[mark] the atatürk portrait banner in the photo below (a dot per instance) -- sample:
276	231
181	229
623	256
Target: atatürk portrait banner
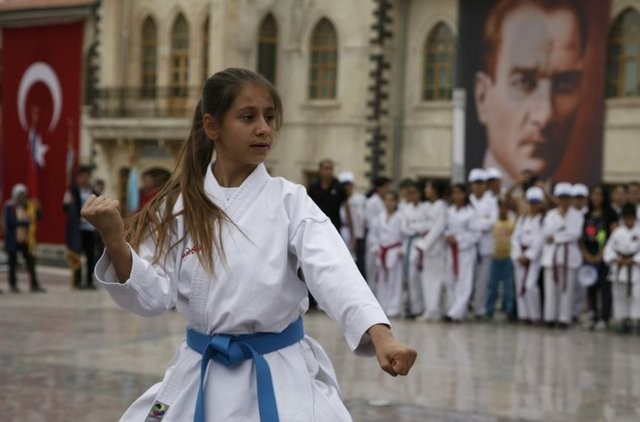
534	74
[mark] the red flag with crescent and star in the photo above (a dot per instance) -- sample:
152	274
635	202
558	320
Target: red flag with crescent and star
41	101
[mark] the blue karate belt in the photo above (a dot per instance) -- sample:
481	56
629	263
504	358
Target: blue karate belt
231	351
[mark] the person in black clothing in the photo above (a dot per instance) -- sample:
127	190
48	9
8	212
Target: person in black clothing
618	198
328	193
81	236
597	227
19	215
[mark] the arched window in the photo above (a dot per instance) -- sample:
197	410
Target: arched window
205	49
267	48
148	57
623	67
324	61
439	62
179	64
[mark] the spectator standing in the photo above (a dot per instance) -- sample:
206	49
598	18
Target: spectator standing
597	227
328	193
81	235
20	214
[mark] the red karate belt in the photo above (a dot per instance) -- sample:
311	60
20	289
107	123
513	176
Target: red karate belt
454	255
523	290
565	267
382	253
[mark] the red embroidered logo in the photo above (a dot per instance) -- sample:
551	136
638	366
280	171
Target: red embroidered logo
190	251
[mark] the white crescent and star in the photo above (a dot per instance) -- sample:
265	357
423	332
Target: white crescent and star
39	72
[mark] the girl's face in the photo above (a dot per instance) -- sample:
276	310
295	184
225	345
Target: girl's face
458	196
413	195
596	196
430	192
535	207
246	134
563	201
390	202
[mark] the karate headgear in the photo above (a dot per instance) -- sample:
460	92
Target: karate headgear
477	175
579	190
534	194
493	173
346	177
562	189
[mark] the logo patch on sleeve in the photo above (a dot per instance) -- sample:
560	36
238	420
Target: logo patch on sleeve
157	412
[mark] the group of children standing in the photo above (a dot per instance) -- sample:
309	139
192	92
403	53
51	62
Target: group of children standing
435	251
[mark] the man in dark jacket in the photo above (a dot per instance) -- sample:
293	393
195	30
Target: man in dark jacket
81	236
328	193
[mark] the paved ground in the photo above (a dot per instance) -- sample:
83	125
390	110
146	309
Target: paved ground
75	356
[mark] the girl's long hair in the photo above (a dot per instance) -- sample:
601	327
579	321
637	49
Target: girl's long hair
203	218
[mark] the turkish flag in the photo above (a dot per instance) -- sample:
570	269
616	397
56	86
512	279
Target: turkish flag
42	68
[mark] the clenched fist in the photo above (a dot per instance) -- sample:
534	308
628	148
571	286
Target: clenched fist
104	214
394	357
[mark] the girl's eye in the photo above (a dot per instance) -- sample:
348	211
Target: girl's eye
246	117
269	117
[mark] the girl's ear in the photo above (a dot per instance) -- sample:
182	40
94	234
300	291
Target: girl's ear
210	126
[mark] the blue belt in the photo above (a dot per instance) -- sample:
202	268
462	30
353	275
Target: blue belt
231	351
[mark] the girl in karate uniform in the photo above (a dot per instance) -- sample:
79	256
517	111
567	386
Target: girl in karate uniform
462	240
414	226
224	242
526	250
373	206
561	256
622	253
433	246
388	245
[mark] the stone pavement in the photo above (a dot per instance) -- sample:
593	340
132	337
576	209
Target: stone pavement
75	356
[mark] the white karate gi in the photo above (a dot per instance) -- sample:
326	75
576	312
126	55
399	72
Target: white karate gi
527	240
357	204
624	242
579	291
434	268
460	224
356	207
277	230
414	226
486	209
387	241
373	206
565	232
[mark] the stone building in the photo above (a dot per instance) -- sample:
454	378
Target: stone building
149	58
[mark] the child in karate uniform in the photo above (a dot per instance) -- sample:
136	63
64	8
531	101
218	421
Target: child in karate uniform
561	256
434	249
461	238
224	243
485	205
414	226
622	253
373	206
387	239
526	249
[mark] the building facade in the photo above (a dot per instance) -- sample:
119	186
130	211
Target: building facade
146	61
